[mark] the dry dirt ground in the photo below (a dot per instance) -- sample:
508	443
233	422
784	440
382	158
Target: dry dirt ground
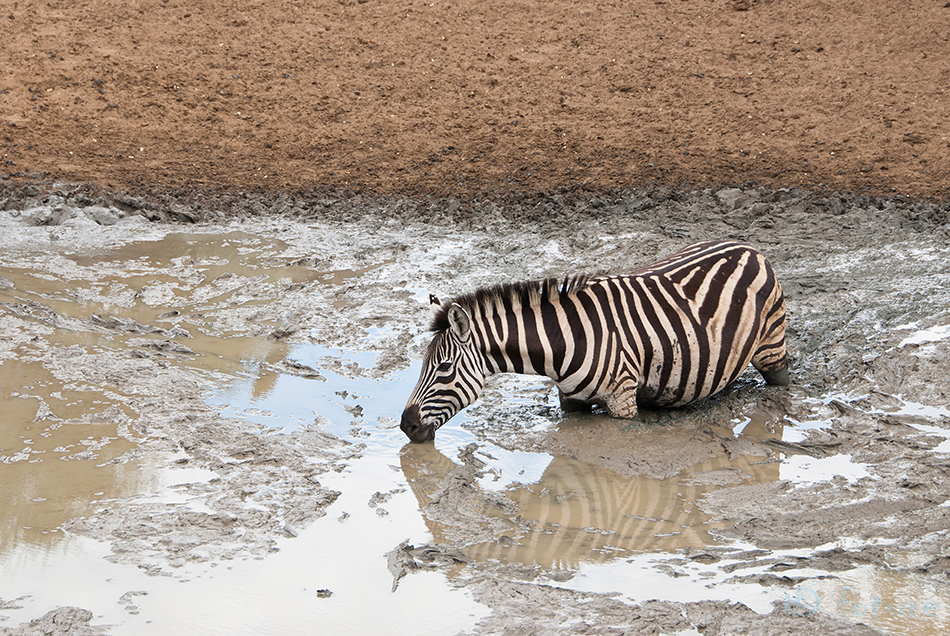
470	97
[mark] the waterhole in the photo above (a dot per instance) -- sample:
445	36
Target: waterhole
225	314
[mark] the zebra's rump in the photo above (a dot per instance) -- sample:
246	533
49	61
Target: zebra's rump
688	325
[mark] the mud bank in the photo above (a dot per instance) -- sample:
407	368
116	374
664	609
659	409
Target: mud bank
127	343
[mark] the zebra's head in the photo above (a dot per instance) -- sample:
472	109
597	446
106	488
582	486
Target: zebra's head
452	375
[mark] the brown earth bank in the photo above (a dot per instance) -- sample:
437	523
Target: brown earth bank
457	99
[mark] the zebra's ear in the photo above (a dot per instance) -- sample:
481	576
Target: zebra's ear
459	323
434	304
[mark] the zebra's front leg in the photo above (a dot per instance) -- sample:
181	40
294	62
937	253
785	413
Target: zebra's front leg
622	401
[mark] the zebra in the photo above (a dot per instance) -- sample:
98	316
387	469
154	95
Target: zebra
669	334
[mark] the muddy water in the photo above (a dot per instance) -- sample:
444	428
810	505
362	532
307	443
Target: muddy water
67	449
62	441
154	380
581	513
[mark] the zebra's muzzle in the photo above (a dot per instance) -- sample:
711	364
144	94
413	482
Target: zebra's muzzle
413	427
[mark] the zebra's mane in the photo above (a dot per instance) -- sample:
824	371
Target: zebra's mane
509	295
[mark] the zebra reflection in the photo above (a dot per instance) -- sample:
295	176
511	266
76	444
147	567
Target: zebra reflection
580	513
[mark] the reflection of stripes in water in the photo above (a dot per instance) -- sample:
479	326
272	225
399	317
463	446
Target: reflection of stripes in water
585	513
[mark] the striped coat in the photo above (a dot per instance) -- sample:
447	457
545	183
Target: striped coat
671	333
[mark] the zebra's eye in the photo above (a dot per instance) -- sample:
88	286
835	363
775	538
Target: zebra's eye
445	366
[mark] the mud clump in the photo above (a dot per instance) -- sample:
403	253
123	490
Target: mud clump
62	621
568	612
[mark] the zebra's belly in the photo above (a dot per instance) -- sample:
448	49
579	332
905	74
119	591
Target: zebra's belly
660	397
683	387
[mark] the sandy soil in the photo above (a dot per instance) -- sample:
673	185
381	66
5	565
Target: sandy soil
472	97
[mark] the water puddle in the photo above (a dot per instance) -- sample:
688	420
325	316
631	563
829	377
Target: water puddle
57	446
288	401
926	336
195	301
896	602
60	440
802	470
666	577
190	300
580	513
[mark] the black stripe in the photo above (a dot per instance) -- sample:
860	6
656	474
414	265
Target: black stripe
627	322
676	346
534	332
589	307
603	375
485	340
647	316
664	345
728	361
495	346
580	348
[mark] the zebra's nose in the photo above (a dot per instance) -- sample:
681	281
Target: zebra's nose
412	426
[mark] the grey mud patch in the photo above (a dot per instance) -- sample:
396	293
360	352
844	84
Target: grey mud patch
62	621
56	325
815	494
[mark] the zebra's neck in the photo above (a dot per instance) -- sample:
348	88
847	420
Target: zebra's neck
513	338
527	327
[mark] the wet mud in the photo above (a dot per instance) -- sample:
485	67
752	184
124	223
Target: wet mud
215	403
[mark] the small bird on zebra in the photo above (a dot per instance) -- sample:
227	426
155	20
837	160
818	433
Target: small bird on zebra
666	335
